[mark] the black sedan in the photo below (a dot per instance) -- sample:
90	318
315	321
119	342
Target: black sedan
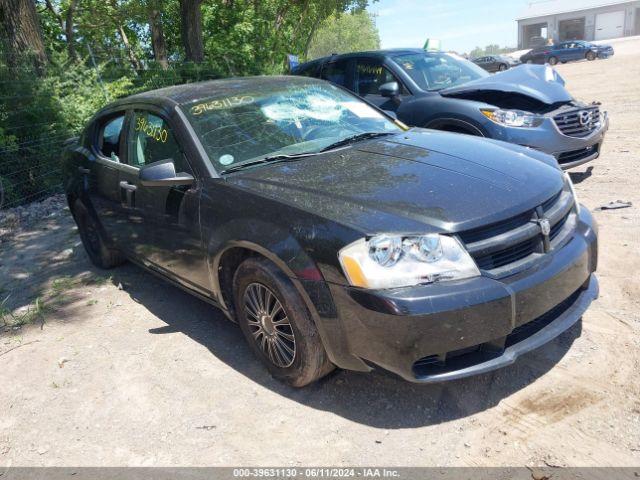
495	63
332	234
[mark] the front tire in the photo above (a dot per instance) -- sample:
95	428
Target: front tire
277	324
100	254
591	56
553	61
502	67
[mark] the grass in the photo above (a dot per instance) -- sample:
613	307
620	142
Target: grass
33	313
47	302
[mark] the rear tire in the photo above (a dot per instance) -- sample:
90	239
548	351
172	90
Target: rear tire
277	325
503	67
553	61
100	254
590	56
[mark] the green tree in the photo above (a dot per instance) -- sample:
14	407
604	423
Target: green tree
350	32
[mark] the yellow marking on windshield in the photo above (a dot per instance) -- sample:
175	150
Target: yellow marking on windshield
221	103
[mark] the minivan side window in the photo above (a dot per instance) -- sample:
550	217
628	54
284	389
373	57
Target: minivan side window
109	138
335	72
152	140
370	75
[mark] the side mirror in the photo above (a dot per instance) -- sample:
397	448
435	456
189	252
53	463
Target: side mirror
163	174
389	90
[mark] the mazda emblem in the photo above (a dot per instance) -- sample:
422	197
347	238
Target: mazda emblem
585	117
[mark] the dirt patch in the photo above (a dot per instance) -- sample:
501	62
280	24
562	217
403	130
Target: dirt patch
127	370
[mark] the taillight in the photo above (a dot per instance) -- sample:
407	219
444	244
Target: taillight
546	51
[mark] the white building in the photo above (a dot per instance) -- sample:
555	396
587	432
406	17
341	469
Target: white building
561	20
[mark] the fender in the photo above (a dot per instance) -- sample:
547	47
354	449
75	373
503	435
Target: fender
463	123
269	240
286	252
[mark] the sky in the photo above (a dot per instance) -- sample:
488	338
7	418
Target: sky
460	25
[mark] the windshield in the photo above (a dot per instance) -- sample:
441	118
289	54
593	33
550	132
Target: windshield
280	120
435	71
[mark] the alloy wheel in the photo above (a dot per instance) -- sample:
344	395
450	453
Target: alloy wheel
269	325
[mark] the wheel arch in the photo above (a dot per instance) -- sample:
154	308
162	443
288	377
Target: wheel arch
457	125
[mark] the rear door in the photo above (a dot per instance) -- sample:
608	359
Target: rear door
162	221
101	176
339	72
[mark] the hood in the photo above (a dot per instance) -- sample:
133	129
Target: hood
539	82
417	181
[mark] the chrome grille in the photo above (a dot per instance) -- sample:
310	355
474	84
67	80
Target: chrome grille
579	122
502	247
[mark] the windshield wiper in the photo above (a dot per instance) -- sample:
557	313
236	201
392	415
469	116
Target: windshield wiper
355	138
269	159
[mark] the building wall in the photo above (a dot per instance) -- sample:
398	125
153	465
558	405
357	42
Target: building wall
590	21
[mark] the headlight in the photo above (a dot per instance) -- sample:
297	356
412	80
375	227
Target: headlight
512	118
387	261
568	181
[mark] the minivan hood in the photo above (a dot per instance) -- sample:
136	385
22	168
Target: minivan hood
416	181
540	82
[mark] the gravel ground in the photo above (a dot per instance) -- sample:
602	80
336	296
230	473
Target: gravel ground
126	370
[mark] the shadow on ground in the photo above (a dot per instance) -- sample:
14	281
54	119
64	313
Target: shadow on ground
376	399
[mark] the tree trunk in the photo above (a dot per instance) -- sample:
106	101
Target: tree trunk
191	20
157	37
135	63
68	31
23	33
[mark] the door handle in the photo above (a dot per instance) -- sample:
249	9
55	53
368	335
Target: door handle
127	186
84	171
130	193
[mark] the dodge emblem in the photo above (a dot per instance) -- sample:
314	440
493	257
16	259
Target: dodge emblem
545	226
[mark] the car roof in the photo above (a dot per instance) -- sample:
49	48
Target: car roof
368	53
211	89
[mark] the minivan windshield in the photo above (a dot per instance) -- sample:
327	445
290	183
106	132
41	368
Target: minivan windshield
435	71
282	120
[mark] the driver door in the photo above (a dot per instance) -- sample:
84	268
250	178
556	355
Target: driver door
162	221
370	75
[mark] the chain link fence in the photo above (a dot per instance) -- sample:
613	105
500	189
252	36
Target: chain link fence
39	110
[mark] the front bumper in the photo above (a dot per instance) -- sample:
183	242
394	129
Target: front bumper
432	333
569	151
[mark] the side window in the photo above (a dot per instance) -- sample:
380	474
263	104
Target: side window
152	140
335	72
109	138
370	74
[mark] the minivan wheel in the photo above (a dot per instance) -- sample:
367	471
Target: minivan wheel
553	61
591	56
277	325
100	254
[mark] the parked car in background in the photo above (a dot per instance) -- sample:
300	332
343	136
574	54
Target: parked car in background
495	63
567	52
333	235
527	105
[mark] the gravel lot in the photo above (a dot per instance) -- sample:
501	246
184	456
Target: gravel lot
126	370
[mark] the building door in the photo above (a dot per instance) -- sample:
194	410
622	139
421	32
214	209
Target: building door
571	29
610	25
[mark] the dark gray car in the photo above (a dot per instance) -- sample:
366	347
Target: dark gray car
527	105
495	63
